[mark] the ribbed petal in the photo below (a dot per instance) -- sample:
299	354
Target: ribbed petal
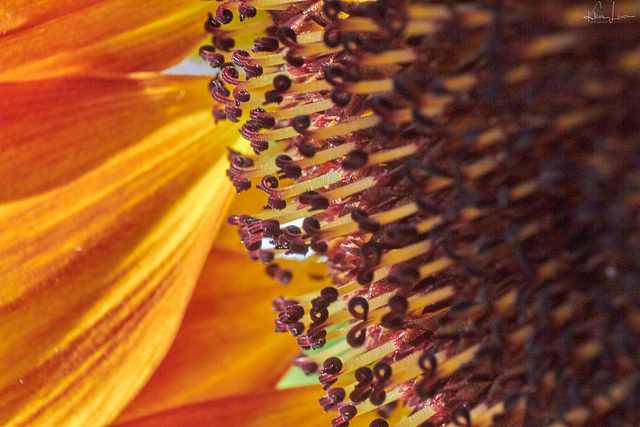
97	269
57	37
226	345
277	408
55	130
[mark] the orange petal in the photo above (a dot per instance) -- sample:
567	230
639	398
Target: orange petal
226	344
55	130
96	272
281	408
57	37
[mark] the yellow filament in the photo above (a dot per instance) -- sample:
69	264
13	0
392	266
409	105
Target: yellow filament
328	178
398	56
428	224
310	108
370	86
406	253
369	357
434	267
452	364
350	189
392	154
344	128
417	418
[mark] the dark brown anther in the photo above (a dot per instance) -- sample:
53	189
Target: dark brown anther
275	202
223	15
297	246
245	10
310	225
272	269
371	253
318	315
357	335
292	231
230	74
355	160
305	198
224	44
382	371
233	113
378	396
241	95
405	276
239	57
272	96
369	226
217	59
333	397
294	60
291	171
319	202
211	25
379	422
331	9
253	70
332	36
307	150
334	75
217	87
365	277
301	123
303	362
287	36
281	83
241	184
259	145
332	366
363	375
359	308
269	182
266	44
282	160
329	294
261	118
380	105
253	243
318	246
348	412
207	53
340	99
358	215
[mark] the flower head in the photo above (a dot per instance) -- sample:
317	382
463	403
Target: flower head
470	175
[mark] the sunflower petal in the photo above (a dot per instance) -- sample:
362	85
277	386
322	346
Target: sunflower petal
96	271
67	126
59	37
281	408
225	345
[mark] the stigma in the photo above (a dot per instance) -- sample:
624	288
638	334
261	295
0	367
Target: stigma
470	174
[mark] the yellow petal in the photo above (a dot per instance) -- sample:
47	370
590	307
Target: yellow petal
96	272
55	130
226	343
274	408
50	37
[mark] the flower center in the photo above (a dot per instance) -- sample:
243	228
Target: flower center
470	174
